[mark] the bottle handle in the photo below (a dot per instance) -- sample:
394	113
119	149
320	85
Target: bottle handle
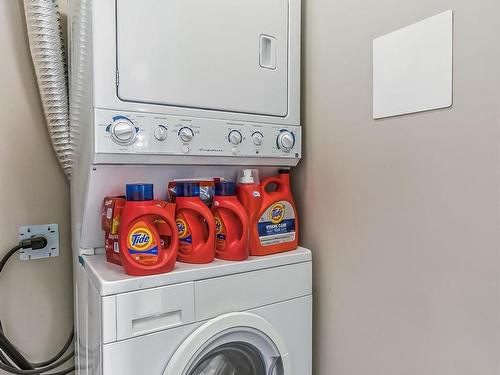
272	180
240	213
161	213
207	215
209	218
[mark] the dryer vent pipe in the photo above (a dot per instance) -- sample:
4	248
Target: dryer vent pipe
49	59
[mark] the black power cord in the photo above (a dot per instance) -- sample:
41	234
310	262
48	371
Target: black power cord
13	353
58	355
11	359
42	370
34	243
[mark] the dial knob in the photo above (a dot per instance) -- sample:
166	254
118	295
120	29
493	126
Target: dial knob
186	134
286	140
160	133
123	131
257	138
235	137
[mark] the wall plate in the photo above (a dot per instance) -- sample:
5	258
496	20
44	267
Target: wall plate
49	231
413	68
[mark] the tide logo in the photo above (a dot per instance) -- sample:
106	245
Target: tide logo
277	213
182	228
140	239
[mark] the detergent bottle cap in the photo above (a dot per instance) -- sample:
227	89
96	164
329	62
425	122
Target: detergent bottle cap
225	188
248	176
139	192
187	189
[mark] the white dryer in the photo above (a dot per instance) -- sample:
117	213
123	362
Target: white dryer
224	318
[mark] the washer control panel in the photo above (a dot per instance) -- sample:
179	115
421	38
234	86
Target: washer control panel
140	133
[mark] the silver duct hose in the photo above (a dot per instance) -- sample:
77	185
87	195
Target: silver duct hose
49	59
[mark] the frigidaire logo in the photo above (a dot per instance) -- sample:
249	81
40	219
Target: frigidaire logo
211	150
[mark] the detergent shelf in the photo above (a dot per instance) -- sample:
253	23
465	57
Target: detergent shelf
110	279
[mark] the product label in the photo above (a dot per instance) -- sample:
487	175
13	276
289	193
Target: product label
111	211
220	233
185	238
277	224
116	247
112	245
141	244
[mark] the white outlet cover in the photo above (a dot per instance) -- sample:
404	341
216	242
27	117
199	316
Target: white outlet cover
413	68
49	231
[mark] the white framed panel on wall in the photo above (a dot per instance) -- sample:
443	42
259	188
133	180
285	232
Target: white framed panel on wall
413	68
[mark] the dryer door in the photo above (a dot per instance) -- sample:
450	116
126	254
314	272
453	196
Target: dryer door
235	343
220	55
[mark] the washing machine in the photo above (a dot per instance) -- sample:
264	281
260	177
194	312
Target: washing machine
223	318
184	89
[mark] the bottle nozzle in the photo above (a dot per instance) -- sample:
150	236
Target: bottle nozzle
247	177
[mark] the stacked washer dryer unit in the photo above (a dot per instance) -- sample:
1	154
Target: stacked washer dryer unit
184	89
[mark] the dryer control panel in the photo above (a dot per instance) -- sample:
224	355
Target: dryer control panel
151	134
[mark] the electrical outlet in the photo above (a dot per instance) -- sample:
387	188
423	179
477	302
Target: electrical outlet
49	231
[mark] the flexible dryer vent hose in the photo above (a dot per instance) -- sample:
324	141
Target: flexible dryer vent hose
49	59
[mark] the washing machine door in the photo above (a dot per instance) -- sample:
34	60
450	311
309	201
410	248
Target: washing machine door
232	344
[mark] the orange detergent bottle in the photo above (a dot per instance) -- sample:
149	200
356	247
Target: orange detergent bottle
143	249
231	223
272	215
195	225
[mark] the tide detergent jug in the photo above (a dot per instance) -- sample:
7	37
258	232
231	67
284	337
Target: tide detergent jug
272	214
143	251
231	223
195	225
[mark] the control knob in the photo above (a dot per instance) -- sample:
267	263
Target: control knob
235	137
257	138
123	131
186	134
286	140
161	133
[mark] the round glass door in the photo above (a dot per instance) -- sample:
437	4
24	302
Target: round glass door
231	344
231	359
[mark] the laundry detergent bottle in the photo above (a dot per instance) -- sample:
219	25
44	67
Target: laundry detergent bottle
231	223
142	250
195	225
273	225
249	194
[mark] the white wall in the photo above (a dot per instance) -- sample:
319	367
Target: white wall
402	214
36	305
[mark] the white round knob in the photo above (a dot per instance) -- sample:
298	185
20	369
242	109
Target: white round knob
257	138
185	149
160	133
186	134
286	140
123	131
235	137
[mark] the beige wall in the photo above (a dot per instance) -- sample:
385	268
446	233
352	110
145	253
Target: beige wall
36	296
402	215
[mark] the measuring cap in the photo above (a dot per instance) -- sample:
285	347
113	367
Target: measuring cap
139	192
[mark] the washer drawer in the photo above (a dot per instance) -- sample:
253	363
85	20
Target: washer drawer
142	312
248	290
